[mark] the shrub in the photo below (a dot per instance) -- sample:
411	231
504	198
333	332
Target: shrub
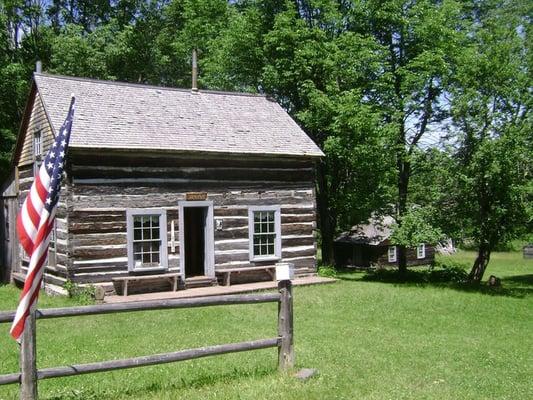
327	271
83	294
439	272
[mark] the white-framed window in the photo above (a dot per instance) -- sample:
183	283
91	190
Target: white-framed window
147	239
37	145
421	251
392	254
264	228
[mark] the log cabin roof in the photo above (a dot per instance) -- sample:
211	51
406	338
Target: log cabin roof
375	232
115	115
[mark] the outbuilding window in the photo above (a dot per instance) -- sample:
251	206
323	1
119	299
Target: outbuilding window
421	251
147	239
392	254
264	227
37	148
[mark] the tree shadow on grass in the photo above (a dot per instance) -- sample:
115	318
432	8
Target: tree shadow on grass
518	286
522	280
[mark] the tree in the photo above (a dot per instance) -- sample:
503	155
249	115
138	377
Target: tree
491	110
419	42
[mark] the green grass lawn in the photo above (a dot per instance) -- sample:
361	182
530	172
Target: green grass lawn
369	340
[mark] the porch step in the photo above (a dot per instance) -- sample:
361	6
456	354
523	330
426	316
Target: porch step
19	277
200	281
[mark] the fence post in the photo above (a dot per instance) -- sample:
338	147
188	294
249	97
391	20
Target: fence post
285	326
28	360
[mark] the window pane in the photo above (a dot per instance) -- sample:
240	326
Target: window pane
146	258
137	247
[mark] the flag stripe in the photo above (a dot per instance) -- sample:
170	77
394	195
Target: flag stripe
24	237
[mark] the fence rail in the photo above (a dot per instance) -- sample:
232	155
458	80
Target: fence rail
29	375
7	316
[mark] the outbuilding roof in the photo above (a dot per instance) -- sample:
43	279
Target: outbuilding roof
114	115
374	233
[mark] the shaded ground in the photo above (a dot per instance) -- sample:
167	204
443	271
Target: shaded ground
452	271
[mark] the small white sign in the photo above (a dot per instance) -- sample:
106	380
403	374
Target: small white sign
284	271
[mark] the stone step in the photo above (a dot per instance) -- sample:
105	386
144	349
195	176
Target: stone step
200	281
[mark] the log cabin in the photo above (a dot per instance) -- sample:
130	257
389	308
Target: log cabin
200	185
369	244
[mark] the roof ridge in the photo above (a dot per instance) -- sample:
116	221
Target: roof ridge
147	86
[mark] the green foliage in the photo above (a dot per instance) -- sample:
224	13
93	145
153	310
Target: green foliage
439	274
81	294
375	84
327	271
415	228
491	187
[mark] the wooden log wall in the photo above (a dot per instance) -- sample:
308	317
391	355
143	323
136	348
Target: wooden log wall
411	253
102	189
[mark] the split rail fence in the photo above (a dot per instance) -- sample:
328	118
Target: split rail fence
29	374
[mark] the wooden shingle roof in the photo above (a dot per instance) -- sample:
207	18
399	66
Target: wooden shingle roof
114	115
374	233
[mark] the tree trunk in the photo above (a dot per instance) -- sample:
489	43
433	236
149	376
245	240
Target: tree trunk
324	218
404	172
402	260
480	264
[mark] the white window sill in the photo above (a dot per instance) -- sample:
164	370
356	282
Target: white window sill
269	258
149	269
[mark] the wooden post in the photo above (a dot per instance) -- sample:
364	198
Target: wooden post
28	360
285	326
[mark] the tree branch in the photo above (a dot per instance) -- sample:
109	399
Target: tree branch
428	109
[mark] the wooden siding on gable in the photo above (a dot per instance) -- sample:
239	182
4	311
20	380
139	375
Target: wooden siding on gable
38	121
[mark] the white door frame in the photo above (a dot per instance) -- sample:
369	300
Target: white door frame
209	241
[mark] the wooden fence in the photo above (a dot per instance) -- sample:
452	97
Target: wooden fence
29	375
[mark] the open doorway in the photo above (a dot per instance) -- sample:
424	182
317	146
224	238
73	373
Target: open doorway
197	257
194	223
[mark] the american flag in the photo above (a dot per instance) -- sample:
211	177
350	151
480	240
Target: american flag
35	220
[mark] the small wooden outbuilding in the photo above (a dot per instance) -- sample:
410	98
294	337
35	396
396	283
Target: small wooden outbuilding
168	181
369	244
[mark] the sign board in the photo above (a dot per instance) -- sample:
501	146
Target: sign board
284	271
196	196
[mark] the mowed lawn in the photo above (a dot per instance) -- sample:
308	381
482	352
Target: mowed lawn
369	340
